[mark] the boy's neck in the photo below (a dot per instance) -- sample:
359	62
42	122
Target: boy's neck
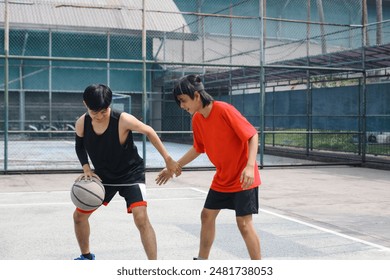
206	110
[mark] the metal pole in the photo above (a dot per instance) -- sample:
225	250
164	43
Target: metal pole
22	94
203	36
320	8
262	85
50	81
309	103
364	81
144	96
108	57
360	93
231	54
182	48
6	78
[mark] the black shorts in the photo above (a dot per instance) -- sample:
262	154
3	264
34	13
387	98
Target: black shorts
134	194
244	202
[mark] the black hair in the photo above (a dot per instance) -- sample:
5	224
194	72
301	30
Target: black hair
188	85
97	97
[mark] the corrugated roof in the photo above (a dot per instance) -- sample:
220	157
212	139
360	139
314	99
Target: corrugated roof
376	57
162	16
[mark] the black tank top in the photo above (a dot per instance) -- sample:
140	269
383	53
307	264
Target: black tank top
114	163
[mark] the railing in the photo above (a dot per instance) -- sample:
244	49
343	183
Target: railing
45	151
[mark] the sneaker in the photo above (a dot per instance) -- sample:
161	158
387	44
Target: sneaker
82	258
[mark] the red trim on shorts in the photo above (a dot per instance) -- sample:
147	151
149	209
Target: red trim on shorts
85	211
136	204
105	203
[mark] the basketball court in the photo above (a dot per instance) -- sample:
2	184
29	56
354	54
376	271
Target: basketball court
321	213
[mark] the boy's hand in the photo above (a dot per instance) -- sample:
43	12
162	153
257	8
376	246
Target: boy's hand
163	176
173	166
88	176
247	177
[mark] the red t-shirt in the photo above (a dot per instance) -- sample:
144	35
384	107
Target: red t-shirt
224	136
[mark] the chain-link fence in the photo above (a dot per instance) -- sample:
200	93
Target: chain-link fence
311	75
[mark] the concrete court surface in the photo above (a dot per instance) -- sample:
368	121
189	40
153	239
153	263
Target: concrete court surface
328	213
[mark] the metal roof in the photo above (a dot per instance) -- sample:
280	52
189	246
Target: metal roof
349	61
162	16
376	57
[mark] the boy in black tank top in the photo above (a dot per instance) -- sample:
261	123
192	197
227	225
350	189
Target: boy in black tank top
105	135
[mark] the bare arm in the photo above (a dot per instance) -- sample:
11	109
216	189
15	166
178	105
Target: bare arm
165	175
247	175
188	157
131	123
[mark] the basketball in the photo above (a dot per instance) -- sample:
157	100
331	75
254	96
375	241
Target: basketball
87	194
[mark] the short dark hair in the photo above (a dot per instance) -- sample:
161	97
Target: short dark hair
97	97
188	85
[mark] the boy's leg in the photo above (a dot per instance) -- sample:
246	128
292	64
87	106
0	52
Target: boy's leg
82	230
207	232
148	236
250	236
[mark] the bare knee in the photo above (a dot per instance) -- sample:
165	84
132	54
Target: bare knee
79	217
141	218
204	216
244	225
208	216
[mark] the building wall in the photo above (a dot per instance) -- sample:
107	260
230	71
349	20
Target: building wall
74	75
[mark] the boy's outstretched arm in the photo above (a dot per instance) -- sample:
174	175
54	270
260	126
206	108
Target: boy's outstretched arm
135	125
165	174
170	163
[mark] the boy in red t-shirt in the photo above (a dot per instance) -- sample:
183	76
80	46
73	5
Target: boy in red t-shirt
231	144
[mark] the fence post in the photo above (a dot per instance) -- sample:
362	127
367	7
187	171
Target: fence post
6	78
262	85
364	87
144	94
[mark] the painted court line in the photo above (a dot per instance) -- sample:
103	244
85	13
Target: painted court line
62	191
383	248
70	203
33	204
118	199
380	247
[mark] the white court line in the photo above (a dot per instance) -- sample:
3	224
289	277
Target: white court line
198	190
70	203
327	230
32	192
33	204
205	192
62	191
383	248
117	199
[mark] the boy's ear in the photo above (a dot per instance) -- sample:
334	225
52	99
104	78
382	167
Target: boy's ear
196	95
